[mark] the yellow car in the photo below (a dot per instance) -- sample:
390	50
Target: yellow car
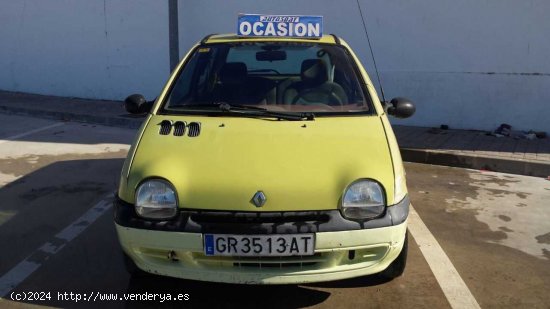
265	160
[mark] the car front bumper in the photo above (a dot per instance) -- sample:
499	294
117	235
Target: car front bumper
340	251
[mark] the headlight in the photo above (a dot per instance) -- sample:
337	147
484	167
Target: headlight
156	199
363	199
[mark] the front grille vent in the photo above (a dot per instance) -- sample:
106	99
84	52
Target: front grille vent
297	218
179	128
194	129
297	262
165	127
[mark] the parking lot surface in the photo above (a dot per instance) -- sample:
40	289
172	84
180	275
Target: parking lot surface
478	239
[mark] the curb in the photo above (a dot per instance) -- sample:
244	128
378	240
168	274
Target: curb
520	166
129	123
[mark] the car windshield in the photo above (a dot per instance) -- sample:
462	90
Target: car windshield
278	77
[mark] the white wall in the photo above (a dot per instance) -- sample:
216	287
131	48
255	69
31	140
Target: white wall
103	49
467	64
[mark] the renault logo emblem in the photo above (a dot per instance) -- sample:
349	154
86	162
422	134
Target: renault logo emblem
259	199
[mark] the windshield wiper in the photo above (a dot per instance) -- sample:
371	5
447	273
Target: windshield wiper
196	105
224	106
218	106
246	110
260	111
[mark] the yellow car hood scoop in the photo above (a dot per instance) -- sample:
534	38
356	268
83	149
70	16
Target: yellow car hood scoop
223	163
179	128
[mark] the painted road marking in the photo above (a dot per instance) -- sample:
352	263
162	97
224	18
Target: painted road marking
17	136
31	263
454	288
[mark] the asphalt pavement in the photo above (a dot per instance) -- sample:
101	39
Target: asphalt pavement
477	238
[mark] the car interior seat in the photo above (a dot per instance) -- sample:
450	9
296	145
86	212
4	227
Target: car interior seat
314	86
231	84
237	86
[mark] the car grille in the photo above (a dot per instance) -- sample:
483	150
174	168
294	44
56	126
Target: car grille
260	218
320	260
302	262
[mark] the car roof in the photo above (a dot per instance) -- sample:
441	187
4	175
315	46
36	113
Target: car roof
232	37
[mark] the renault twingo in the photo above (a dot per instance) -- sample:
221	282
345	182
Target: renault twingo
265	160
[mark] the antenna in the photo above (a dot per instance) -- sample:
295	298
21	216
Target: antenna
371	52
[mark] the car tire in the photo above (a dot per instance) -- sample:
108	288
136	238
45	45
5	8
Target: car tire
132	268
397	267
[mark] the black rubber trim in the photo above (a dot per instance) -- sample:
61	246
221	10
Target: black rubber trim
289	222
336	39
203	41
399	212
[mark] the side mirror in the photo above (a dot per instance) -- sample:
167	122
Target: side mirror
400	108
136	104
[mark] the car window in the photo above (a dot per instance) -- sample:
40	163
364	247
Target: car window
291	65
286	77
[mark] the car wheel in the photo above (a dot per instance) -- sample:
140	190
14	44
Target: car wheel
397	267
132	268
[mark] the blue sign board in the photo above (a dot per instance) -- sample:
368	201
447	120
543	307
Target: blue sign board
209	244
299	26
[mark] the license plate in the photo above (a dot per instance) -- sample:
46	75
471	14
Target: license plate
259	245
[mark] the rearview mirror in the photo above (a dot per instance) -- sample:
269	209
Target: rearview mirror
400	108
271	55
137	104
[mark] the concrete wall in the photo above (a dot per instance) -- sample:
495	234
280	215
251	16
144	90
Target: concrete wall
468	64
91	49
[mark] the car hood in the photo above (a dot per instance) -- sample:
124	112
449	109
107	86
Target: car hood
298	165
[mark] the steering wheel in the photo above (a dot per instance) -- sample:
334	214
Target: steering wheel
333	97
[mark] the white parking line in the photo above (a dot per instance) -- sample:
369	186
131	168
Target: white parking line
33	262
17	136
454	288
